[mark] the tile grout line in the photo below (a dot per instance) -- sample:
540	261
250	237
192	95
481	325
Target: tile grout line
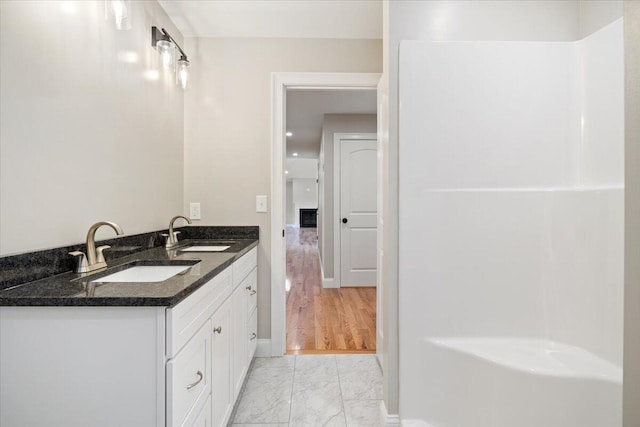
344	411
293	382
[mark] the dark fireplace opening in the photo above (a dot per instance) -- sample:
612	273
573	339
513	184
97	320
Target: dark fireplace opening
308	217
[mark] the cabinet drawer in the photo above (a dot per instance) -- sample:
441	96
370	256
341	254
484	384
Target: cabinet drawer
186	318
253	335
243	266
250	284
189	377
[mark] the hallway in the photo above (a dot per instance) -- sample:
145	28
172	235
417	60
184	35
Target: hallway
324	320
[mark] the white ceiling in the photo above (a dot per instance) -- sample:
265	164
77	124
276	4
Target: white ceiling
344	19
306	110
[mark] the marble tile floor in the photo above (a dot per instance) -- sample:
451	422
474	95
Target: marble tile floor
311	391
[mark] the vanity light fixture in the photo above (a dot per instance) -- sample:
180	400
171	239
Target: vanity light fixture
162	41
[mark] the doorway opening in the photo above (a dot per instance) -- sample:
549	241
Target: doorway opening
331	220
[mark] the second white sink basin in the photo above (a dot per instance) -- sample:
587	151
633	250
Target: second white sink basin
144	273
205	249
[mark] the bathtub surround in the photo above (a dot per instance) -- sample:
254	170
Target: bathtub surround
519	146
447	21
31	266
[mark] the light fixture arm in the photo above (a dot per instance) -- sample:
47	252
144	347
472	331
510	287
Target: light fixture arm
183	55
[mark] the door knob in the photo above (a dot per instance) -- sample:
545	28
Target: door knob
345	220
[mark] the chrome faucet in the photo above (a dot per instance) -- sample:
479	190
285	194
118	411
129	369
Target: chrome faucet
94	258
172	237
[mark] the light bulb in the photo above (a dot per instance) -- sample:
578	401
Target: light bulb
167	51
182	72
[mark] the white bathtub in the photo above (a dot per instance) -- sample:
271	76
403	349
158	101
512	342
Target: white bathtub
513	382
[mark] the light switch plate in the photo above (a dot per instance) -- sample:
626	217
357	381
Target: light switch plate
194	210
261	203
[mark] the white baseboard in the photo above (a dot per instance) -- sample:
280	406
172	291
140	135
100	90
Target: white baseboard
388	420
327	282
263	348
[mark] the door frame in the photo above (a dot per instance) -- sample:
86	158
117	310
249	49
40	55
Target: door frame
280	83
337	229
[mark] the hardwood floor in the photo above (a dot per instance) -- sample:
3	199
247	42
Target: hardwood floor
324	320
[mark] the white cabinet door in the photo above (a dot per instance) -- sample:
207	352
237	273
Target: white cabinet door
239	301
222	398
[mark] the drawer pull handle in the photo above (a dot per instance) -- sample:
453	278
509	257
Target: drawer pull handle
248	288
192	385
253	292
218	330
253	336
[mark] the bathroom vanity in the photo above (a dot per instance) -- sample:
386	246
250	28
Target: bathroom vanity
77	351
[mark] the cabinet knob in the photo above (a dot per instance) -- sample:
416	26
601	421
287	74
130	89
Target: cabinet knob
218	330
192	385
253	336
248	288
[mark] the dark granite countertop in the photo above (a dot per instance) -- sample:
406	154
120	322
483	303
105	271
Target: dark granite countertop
72	289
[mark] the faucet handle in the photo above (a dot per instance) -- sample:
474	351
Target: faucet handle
82	266
167	241
99	254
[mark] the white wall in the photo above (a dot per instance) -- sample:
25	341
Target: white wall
305	196
85	134
298	168
335	123
305	173
290	210
445	20
228	130
631	416
595	14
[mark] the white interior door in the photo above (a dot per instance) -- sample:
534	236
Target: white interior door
358	212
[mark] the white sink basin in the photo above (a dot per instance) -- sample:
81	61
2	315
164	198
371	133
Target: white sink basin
205	249
144	273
